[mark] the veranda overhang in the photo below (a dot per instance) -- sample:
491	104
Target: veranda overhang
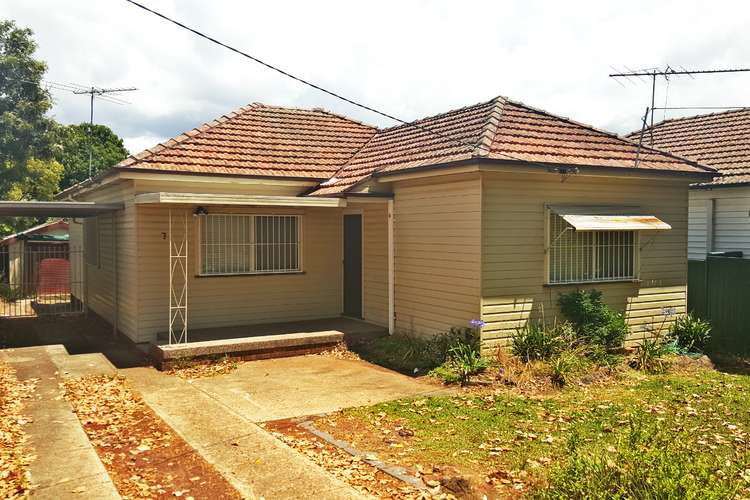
236	199
584	218
56	208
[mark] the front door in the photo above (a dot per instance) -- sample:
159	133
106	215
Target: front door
353	266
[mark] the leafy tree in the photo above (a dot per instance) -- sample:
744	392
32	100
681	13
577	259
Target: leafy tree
25	138
73	151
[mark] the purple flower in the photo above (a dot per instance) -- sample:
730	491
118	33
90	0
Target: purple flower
477	323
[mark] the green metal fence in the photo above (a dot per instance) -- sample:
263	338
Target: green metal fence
719	290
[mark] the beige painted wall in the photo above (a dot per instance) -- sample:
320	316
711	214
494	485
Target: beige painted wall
375	255
513	257
238	300
100	278
729	226
437	253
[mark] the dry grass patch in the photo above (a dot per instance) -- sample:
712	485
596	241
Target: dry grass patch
14	457
144	456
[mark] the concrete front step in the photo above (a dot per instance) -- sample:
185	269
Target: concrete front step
247	348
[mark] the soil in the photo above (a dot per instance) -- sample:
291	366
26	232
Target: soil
143	456
352	470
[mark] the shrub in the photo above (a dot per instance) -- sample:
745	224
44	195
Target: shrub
691	333
649	356
566	364
10	293
535	341
463	358
593	320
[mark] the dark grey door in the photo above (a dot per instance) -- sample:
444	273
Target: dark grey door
353	266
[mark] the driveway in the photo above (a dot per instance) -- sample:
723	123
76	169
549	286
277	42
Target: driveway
305	385
217	416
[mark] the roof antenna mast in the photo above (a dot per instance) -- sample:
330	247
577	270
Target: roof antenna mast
653	73
97	92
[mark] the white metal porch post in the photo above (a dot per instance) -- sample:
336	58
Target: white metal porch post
178	280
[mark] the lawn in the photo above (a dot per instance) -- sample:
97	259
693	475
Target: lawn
683	434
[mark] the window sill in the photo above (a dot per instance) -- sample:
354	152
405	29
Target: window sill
584	283
249	275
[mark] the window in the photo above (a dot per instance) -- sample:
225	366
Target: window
249	244
581	256
91	240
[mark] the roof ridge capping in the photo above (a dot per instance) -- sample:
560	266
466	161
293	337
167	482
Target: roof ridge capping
489	130
317	109
616	136
695	117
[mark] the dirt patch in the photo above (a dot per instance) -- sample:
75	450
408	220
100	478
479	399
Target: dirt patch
352	470
339	351
144	456
14	457
203	368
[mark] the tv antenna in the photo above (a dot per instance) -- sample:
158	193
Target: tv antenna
98	92
666	73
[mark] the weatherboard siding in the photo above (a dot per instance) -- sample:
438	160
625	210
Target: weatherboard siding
375	264
437	232
730	221
219	301
513	256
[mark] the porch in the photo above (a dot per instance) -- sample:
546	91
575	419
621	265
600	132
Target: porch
264	341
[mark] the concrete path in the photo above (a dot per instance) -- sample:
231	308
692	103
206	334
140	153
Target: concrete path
256	464
66	464
308	385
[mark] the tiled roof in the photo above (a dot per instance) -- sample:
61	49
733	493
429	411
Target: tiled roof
260	140
268	141
498	129
721	140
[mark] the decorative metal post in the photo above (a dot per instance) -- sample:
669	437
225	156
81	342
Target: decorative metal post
178	279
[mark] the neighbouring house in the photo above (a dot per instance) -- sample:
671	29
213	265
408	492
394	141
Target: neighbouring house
273	214
22	253
720	209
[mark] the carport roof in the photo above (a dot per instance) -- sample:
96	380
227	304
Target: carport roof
56	208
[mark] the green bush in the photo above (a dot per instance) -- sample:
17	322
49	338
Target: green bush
594	322
691	333
566	364
10	293
536	341
649	356
464	361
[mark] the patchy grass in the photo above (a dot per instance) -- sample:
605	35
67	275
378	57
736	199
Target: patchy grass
14	458
675	435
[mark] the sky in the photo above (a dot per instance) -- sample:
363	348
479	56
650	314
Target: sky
408	58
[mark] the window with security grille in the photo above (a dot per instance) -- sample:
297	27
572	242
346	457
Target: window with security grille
249	244
584	256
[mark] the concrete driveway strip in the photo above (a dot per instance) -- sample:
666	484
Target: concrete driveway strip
257	464
66	464
298	386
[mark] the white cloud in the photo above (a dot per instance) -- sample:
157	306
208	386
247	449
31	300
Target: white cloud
410	59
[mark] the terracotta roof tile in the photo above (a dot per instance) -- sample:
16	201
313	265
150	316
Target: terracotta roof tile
261	140
268	141
721	140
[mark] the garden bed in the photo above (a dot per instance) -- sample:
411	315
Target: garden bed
143	456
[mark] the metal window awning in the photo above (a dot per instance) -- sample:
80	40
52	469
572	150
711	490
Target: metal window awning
584	218
237	199
56	208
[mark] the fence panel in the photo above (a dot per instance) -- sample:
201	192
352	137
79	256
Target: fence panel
719	290
39	279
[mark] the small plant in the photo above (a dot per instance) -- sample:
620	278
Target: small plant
463	358
691	333
535	341
566	364
10	293
649	356
594	321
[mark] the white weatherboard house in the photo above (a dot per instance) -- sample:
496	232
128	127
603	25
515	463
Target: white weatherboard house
719	210
488	212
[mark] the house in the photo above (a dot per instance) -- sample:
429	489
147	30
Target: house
273	214
719	210
22	252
